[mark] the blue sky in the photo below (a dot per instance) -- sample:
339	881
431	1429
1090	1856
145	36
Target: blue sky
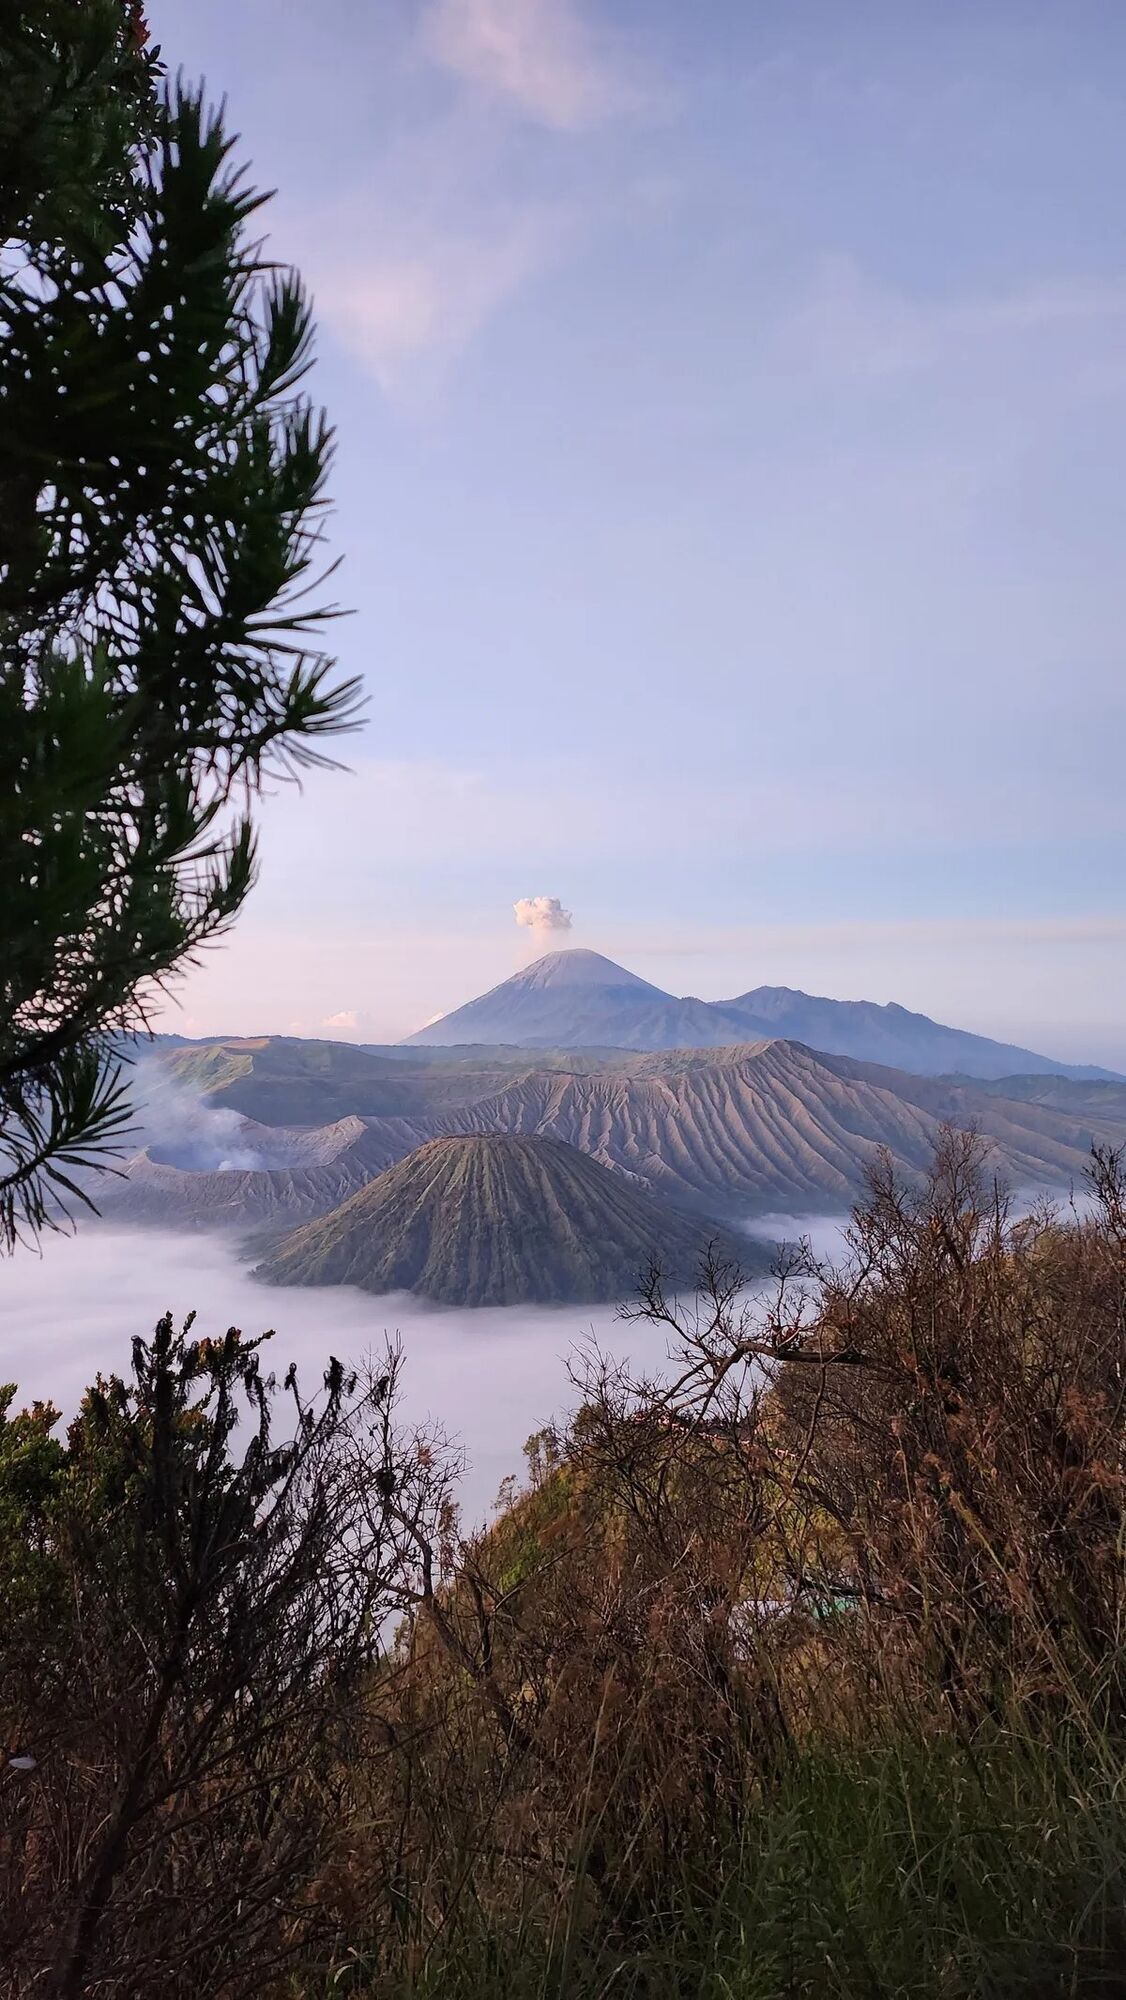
732	421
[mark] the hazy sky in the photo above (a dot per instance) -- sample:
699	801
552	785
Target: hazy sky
731	411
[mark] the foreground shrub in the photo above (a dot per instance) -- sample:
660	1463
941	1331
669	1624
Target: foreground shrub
194	1609
924	1871
851	1565
796	1668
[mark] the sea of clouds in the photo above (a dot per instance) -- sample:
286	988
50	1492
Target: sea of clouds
488	1377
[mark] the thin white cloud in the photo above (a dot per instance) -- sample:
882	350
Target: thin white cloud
852	325
442	227
953	934
537	55
348	1018
406	302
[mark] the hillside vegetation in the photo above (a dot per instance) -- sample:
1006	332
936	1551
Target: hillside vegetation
799	1672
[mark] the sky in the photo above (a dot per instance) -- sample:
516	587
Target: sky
731	415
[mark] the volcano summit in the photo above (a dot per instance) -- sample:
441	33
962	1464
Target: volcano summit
578	999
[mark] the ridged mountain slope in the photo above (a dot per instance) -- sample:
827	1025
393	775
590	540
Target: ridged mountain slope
499	1221
1100	1098
778	1126
735	1131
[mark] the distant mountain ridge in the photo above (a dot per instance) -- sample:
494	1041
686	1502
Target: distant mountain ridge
778	1126
768	1127
579	999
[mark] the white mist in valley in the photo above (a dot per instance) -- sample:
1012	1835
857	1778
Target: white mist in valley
488	1376
825	1234
181	1128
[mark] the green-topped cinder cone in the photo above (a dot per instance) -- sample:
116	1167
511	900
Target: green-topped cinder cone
494	1221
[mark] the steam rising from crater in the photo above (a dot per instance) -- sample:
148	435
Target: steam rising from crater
542	915
184	1131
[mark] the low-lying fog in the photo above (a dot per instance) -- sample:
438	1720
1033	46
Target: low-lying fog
488	1376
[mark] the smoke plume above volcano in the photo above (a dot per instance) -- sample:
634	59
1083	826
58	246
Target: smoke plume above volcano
544	916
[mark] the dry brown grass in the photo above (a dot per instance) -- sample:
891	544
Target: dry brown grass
885	1513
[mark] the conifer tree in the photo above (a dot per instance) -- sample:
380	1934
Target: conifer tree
161	493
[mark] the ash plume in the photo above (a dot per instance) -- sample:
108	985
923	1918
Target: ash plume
542	915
